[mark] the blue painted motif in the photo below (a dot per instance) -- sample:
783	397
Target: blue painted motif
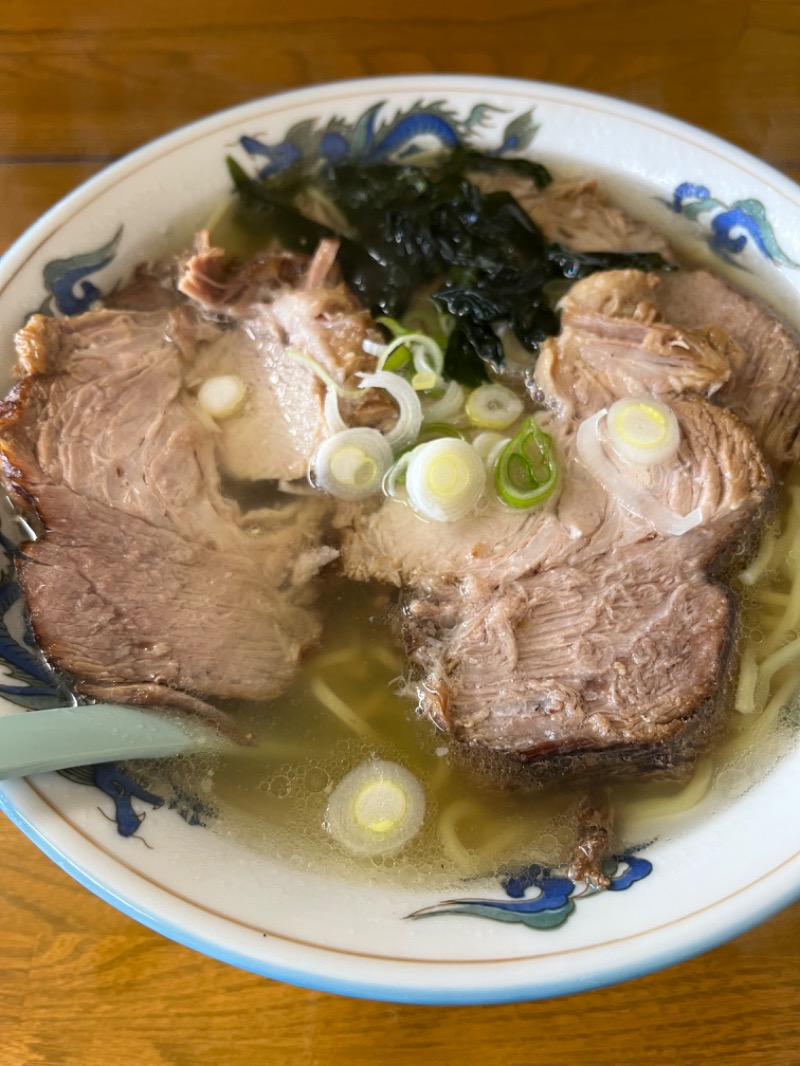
190	808
732	227
555	898
70	293
372	138
123	790
635	870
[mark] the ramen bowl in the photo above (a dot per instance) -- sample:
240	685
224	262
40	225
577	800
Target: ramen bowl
681	888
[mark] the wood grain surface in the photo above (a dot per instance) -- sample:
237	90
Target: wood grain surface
81	84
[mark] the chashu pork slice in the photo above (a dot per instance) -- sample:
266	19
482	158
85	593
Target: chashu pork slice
573	212
763	388
621	641
141	614
576	634
103	433
744	356
272	335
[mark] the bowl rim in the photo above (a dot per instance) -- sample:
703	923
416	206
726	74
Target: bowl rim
731	918
200	127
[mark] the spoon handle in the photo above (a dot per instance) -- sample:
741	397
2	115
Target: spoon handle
34	741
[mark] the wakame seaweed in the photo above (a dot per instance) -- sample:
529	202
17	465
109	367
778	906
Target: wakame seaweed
408	227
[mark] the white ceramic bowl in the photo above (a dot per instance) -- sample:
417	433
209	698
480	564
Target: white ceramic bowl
727	869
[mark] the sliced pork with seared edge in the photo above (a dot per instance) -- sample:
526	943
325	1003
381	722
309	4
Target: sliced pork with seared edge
148	581
280	330
618	642
577	636
573	212
765	356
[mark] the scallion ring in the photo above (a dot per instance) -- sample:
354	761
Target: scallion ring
428	356
397	329
394	483
333	415
527	472
488	445
622	487
406	430
424	352
295	356
372	347
445	479
222	396
424	381
434	430
493	407
352	464
447	406
643	431
376	809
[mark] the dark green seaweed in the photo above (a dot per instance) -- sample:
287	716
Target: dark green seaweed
411	227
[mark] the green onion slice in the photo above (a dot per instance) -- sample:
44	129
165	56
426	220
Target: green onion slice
397	329
351	465
642	430
445	407
493	407
445	479
422	350
222	396
526	471
394	358
434	430
409	421
376	809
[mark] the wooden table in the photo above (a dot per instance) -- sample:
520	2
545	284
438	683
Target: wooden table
83	83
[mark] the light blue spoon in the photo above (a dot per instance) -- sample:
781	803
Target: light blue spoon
57	739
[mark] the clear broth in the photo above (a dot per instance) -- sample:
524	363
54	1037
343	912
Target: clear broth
344	708
273	796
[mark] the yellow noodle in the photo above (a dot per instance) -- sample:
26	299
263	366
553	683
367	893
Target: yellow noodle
755	735
765	626
778	659
761	564
788	623
497	845
372	704
343	711
780	699
334	658
785	542
452	846
752	736
657	809
794	492
386	656
747	687
771	597
775	643
503	843
440	775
